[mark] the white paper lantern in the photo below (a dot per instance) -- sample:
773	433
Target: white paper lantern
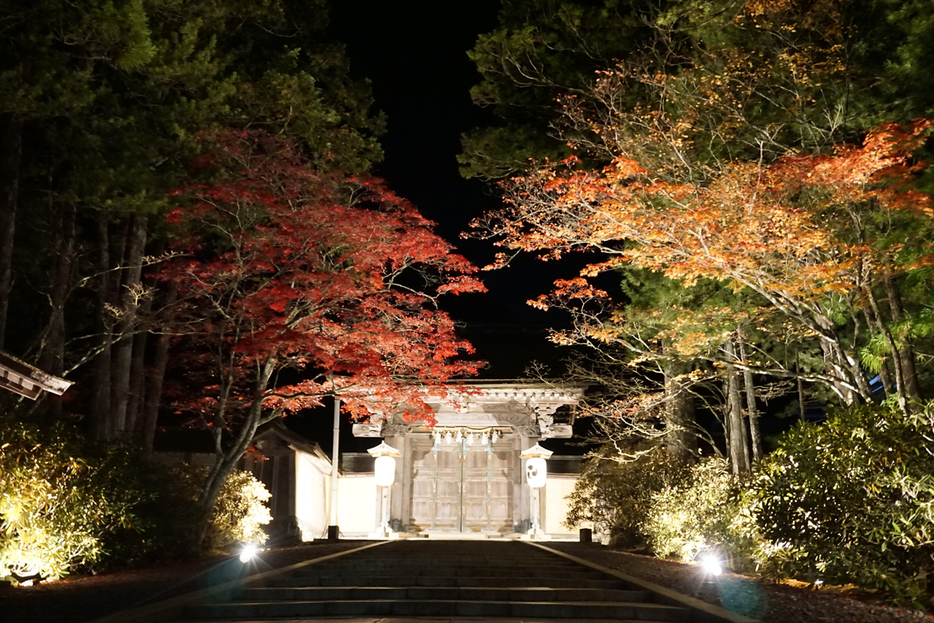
536	472
385	471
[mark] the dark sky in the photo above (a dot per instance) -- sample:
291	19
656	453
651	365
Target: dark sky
415	55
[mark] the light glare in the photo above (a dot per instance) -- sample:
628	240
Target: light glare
247	553
711	565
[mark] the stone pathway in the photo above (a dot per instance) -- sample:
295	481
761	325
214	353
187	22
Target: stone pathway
431	580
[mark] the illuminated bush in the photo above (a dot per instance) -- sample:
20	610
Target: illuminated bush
239	512
850	500
66	504
56	502
702	513
615	496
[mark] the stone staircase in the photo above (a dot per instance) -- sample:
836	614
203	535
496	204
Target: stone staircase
419	578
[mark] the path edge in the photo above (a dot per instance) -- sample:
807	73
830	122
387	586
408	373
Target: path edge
701	611
170	609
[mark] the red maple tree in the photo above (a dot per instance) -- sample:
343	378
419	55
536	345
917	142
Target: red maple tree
298	284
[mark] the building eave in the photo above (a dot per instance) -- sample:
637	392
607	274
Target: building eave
29	381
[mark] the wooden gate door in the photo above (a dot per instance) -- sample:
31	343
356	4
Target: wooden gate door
462	488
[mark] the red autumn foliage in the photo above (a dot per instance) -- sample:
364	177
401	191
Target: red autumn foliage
327	280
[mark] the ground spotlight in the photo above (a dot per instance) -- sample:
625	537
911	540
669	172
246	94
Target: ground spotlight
247	553
711	564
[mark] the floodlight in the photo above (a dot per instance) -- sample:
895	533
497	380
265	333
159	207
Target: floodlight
711	564
247	553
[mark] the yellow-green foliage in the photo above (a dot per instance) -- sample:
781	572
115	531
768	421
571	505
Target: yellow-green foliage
852	501
615	495
42	524
55	504
240	512
702	513
65	503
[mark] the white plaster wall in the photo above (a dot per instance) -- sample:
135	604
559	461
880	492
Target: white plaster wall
555	504
311	505
356	505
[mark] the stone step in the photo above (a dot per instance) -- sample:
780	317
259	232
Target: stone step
406	619
444	581
474	608
467	560
362	570
420	564
449	561
444	594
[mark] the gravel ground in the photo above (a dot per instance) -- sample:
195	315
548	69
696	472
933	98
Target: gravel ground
771	603
80	599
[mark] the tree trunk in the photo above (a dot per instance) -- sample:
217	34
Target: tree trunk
739	459
907	351
129	303
682	441
853	384
138	369
52	351
887	386
100	411
137	394
893	347
725	422
227	458
155	377
800	388
847	370
11	152
751	410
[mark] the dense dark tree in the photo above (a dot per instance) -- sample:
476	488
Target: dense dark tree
103	108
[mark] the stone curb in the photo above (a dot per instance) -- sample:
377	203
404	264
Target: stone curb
701	611
170	609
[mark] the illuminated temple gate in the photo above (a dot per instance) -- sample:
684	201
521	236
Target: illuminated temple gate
465	475
462	487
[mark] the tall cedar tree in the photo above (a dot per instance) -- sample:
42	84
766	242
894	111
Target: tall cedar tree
332	277
102	103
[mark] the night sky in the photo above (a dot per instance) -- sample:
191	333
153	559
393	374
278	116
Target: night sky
415	55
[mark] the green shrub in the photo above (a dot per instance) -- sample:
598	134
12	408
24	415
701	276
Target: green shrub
850	501
240	512
67	504
164	518
615	496
703	512
57	501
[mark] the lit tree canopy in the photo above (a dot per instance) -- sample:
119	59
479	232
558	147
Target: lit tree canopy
282	266
810	234
707	165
